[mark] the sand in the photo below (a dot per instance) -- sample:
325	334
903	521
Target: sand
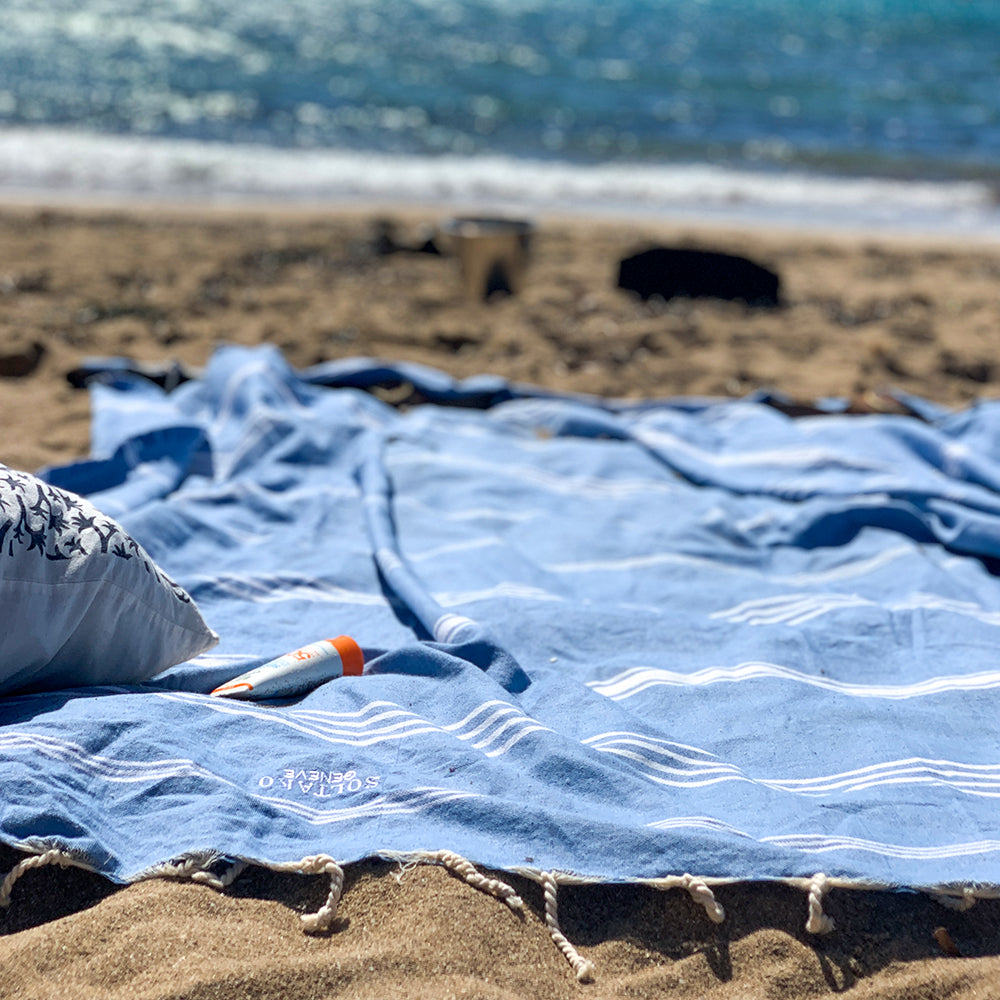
862	314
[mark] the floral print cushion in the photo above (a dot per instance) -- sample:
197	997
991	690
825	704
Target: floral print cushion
81	601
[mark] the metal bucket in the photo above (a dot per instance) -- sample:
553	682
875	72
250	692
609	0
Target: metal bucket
492	253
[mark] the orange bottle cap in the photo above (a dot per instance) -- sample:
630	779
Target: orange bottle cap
350	655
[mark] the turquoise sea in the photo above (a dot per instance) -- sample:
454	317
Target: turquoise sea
871	112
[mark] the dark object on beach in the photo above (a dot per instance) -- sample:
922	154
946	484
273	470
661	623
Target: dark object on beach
492	253
670	272
167	375
862	403
384	241
946	942
20	360
384	237
31	282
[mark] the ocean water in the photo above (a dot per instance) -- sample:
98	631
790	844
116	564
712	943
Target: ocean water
853	112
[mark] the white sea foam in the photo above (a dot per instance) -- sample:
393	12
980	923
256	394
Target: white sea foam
54	163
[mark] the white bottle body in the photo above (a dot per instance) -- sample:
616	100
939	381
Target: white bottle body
296	672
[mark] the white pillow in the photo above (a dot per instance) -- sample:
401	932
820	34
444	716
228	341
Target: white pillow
81	602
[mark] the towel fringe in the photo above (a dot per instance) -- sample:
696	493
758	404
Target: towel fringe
54	856
818	922
461	867
964	900
195	866
316	864
582	967
698	888
227	878
403	867
701	893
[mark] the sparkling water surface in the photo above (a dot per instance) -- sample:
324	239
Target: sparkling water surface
877	109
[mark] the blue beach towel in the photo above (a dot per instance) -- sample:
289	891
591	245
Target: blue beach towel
617	642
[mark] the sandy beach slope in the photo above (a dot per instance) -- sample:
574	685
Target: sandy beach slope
862	313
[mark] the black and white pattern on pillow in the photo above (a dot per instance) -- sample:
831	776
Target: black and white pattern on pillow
59	525
82	602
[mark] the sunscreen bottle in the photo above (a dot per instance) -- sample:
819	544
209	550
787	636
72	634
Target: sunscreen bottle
298	671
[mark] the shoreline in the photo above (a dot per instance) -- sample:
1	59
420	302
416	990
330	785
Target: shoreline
759	219
67	166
